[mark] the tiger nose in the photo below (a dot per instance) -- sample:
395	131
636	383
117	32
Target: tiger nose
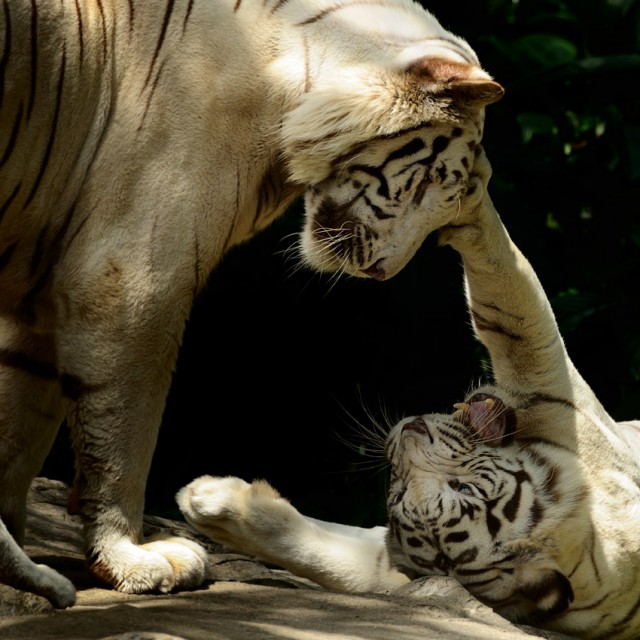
417	424
376	271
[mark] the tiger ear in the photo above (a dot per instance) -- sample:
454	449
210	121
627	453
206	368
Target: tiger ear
465	84
545	589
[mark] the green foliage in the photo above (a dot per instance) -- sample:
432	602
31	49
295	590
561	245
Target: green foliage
565	147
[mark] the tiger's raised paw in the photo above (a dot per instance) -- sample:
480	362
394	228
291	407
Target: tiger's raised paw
235	513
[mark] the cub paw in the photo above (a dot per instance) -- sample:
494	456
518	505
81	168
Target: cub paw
161	565
232	511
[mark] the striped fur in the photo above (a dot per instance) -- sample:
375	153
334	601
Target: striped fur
528	493
139	141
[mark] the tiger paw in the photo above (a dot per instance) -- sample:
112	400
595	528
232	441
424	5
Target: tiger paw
164	564
234	512
59	591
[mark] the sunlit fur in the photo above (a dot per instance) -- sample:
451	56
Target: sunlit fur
528	492
140	140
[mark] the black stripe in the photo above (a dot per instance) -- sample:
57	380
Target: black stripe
512	505
163	32
493	524
278	5
13	137
377	211
457	536
9	200
34	55
104	29
545	397
494	307
439	145
482	324
150	97
5	256
7	48
74	388
52	135
412	147
187	15
466	557
23	362
132	15
414	542
80	30
536	514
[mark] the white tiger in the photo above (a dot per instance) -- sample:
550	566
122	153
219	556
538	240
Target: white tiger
528	494
139	141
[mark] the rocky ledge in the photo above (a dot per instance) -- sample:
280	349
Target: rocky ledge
245	599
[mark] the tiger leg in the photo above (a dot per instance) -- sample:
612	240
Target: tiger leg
31	411
254	519
117	349
30	414
19	572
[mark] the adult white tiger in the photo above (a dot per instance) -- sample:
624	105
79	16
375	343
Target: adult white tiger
139	141
528	494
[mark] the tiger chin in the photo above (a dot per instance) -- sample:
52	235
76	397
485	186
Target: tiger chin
527	493
139	142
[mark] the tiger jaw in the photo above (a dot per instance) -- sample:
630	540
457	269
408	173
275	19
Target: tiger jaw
337	240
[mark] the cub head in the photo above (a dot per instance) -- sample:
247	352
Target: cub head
463	501
385	156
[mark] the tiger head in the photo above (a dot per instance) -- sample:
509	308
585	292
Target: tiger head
385	159
463	500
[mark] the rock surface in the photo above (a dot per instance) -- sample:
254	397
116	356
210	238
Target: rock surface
245	600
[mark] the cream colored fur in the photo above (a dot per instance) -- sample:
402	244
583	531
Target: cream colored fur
139	141
547	487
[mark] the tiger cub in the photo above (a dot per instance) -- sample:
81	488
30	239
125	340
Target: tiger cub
528	493
140	141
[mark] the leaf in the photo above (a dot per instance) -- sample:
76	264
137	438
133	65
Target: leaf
545	50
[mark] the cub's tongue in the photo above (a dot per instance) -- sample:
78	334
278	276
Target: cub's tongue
487	415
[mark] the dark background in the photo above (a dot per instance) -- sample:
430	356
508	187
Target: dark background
280	366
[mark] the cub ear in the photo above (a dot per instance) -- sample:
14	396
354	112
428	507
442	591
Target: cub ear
546	589
465	84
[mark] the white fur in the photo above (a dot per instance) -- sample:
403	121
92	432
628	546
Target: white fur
154	137
566	553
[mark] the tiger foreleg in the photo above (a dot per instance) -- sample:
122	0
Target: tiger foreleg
254	519
109	492
116	359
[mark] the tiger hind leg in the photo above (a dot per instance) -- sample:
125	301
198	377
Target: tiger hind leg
31	412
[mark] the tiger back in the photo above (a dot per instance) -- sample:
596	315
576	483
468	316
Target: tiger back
139	142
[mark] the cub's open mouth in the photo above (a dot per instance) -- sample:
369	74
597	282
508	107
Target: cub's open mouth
376	270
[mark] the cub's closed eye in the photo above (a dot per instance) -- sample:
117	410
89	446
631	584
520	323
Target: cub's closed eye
462	487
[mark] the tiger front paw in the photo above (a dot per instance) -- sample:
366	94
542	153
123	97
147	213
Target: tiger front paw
163	564
233	512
